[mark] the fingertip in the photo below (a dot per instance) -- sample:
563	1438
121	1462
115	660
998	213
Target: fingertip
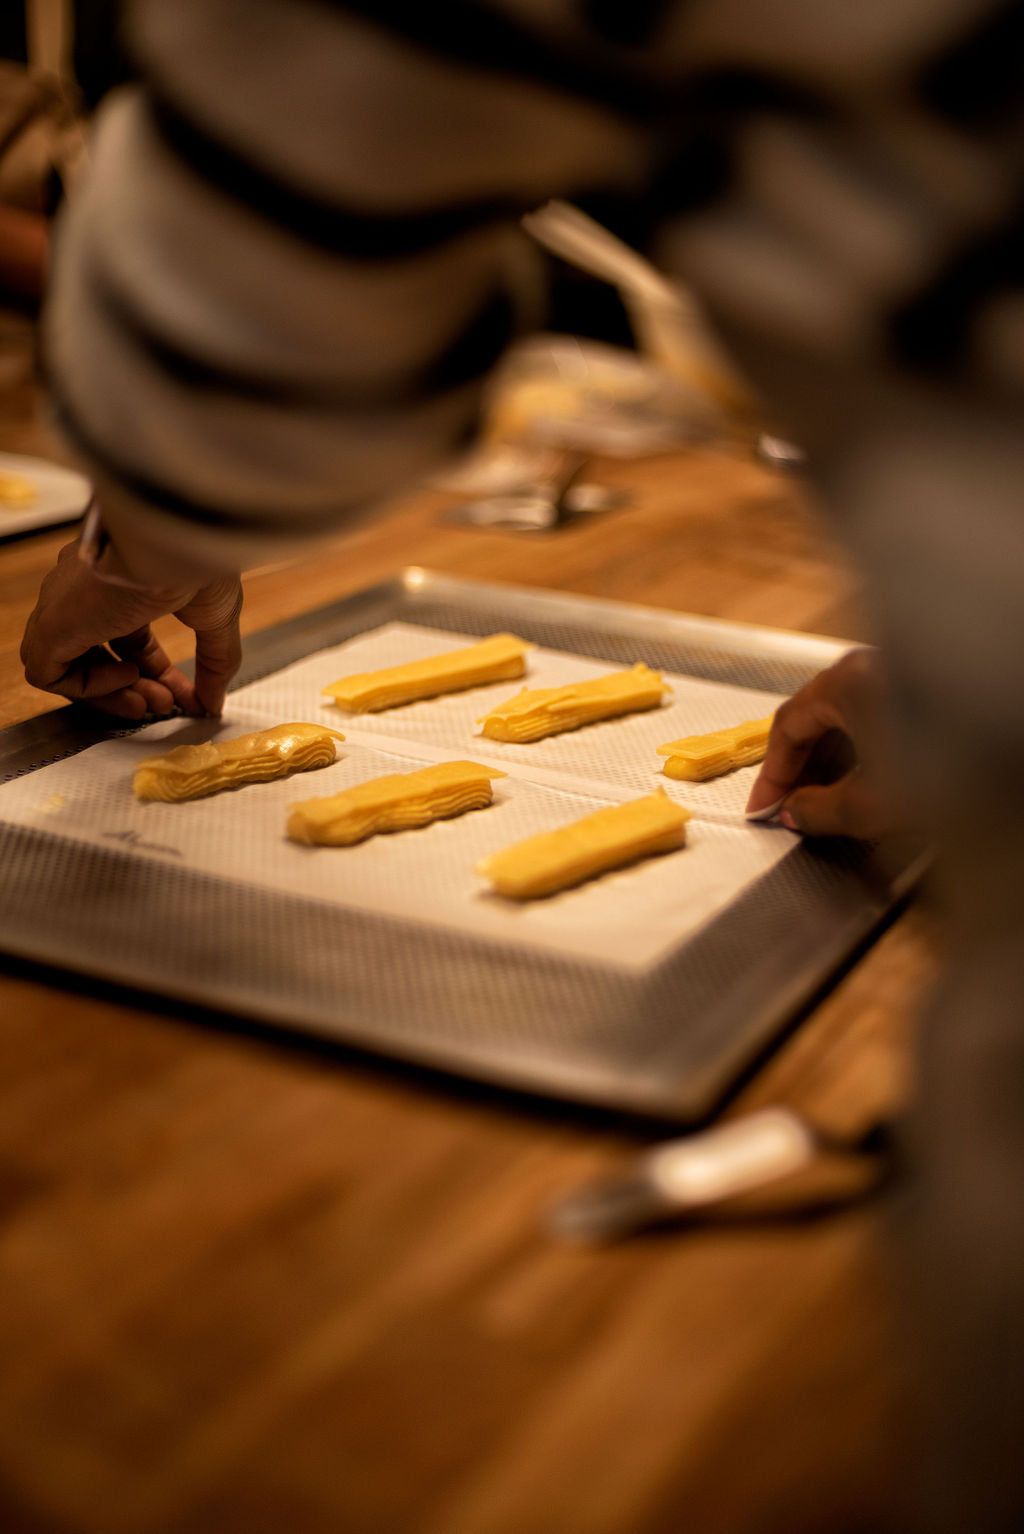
755	799
766	811
181	690
209	699
767	793
188	703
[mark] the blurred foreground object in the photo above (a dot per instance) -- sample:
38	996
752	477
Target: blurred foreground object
42	141
35	493
42	145
556	397
566	392
669	324
16	491
700	1176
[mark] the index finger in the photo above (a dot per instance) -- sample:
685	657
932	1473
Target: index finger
797	728
218	657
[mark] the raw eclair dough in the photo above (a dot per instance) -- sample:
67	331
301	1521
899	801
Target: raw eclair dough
539	711
554	860
192	772
495	659
397	802
17	491
697	757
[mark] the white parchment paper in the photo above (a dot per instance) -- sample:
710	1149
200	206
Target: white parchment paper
629	918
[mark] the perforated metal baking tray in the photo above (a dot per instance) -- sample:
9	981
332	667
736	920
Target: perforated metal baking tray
667	1041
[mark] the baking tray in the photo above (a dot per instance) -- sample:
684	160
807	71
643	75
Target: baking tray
667	1041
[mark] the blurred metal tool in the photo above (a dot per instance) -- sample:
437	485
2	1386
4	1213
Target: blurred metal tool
694	1177
666	318
539	507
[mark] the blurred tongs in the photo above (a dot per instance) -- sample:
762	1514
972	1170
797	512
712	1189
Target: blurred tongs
667	320
769	1165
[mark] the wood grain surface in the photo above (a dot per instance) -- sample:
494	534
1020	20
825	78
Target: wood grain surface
249	1284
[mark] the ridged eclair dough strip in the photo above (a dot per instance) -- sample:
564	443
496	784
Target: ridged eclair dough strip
394	802
197	771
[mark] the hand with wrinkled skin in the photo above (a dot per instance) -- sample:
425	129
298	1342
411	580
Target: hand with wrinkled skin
91	641
830	791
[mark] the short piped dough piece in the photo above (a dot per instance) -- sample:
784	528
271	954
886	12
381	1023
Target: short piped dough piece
607	839
194	772
398	802
17	492
495	659
539	711
697	757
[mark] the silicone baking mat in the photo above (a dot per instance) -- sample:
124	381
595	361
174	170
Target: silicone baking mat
649	988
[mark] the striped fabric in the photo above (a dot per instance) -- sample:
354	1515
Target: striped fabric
297	256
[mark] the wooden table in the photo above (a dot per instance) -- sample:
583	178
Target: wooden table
248	1285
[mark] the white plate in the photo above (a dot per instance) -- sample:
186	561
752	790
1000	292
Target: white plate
61	494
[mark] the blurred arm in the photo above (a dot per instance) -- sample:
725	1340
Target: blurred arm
296	260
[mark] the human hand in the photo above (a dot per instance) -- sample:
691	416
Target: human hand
90	640
823	755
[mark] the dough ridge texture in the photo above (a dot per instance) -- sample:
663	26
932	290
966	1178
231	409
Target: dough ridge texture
697	757
400	801
194	772
539	711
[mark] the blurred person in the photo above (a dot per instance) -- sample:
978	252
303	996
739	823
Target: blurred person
24	253
57	60
293	266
